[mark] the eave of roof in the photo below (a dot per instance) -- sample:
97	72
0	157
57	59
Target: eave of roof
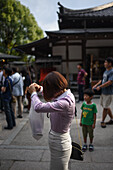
31	48
39	47
18	62
80	31
6	56
41	41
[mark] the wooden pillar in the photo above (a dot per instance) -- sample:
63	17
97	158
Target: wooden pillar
91	69
84	52
67	60
86	64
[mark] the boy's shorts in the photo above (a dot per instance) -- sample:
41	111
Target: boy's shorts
87	129
105	100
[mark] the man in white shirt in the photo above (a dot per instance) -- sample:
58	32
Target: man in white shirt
17	91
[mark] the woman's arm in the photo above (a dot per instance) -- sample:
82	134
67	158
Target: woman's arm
55	106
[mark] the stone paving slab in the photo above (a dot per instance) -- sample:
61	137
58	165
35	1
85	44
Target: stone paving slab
30	166
5	134
21	154
5	165
91	166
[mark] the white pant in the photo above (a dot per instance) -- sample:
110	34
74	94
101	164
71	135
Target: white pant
20	106
60	149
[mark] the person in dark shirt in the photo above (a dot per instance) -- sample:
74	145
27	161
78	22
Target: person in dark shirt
7	95
27	82
81	82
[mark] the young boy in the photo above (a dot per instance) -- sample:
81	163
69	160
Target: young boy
88	118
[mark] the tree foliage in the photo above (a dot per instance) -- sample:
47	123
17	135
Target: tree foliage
17	26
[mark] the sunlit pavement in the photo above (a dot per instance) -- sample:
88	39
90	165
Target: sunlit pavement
20	151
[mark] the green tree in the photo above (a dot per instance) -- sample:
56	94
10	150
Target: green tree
17	26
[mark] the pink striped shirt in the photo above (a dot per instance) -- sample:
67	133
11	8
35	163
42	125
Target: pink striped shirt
61	110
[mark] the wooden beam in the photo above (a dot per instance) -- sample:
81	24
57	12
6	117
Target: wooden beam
67	60
97	47
72	60
84	52
70	44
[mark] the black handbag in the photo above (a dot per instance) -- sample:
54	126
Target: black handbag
76	153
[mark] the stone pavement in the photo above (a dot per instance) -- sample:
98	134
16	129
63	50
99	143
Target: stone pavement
20	151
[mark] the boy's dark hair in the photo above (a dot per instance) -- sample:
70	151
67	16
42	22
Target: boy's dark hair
89	92
109	60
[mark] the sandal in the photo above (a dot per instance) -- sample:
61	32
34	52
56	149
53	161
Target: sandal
110	122
84	148
103	125
91	148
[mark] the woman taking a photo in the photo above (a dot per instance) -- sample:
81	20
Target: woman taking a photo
61	106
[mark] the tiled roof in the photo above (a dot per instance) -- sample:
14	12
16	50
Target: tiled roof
103	10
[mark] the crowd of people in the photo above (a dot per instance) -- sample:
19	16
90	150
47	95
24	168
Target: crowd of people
13	87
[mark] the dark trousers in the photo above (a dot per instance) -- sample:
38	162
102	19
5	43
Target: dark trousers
29	101
81	92
10	118
1	101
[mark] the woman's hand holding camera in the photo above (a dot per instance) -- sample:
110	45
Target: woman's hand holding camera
33	88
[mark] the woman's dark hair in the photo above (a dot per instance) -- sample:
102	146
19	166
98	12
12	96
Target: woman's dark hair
53	83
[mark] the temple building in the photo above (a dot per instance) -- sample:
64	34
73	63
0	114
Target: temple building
5	59
84	36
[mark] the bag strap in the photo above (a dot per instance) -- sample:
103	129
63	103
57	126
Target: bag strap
1	81
16	82
9	86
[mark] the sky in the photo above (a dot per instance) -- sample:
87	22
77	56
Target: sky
45	11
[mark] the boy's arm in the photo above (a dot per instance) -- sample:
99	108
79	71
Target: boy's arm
94	120
81	119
